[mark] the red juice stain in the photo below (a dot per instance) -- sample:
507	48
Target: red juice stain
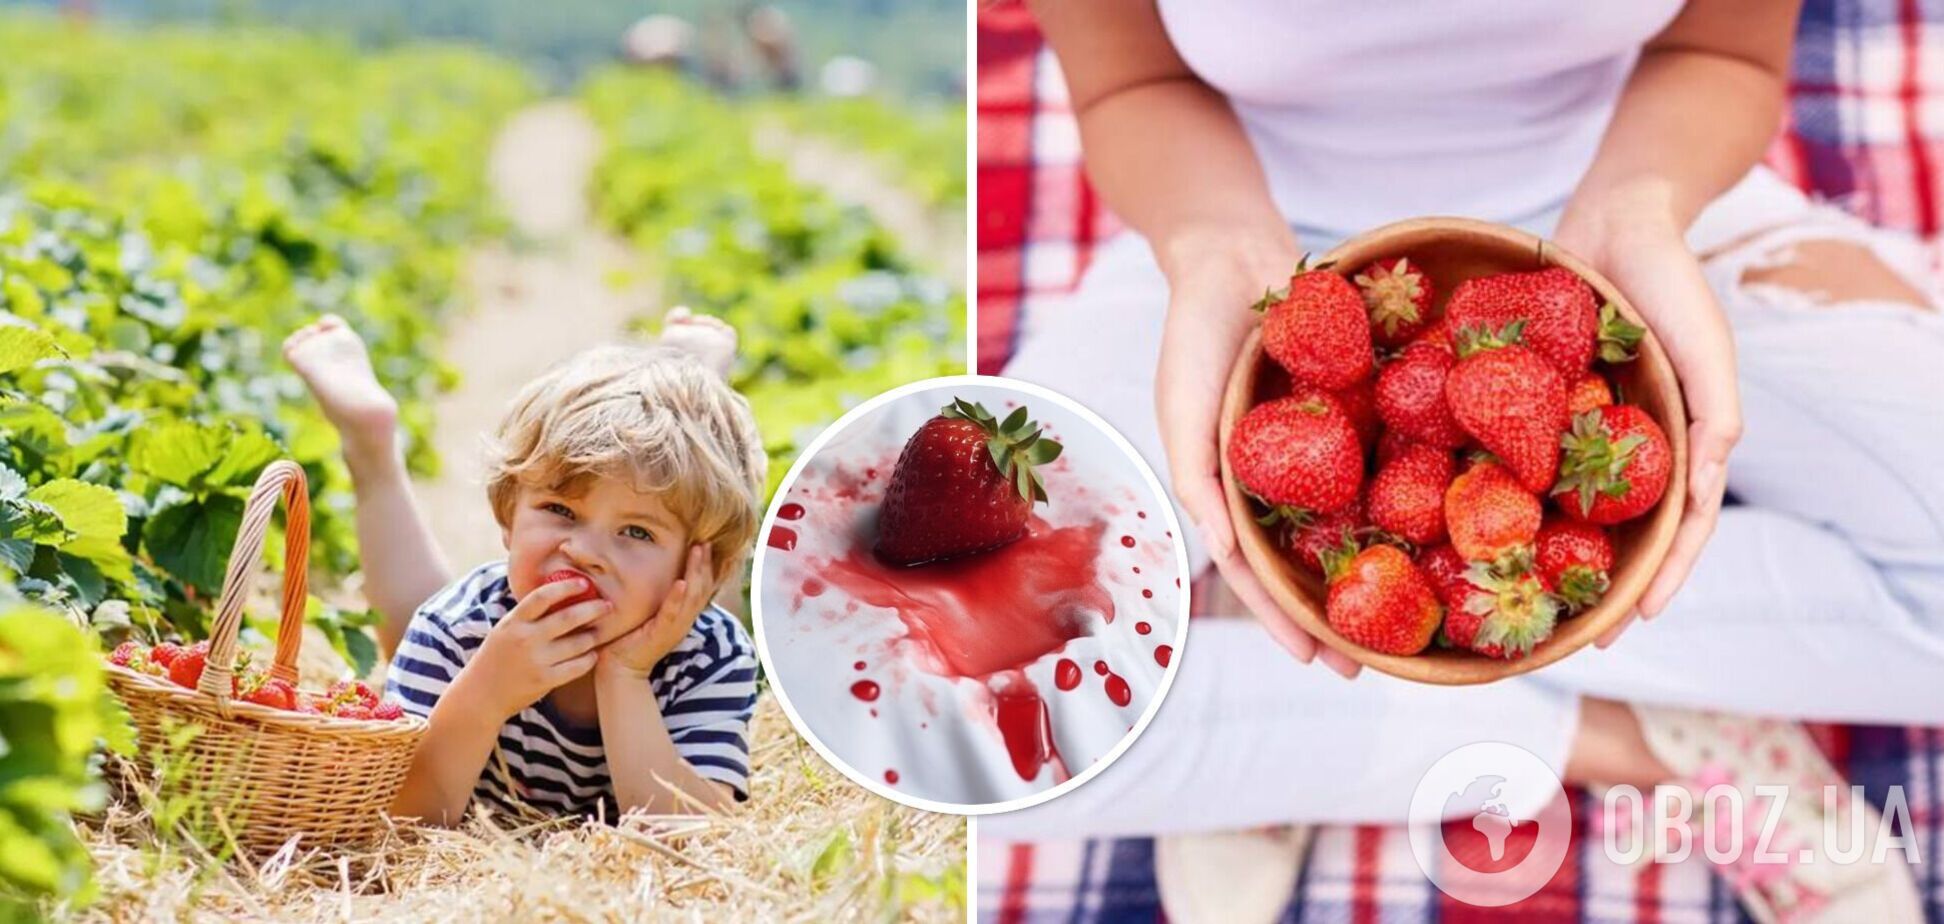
1149	594
859	665
1137	569
813	587
870	474
1100	667
1163	654
1025	726
989	612
891	776
1141	513
1143	628
1066	674
866	690
874	713
782	537
1127	541
1117	690
791	512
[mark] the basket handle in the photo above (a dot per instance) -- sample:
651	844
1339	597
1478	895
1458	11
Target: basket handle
280	478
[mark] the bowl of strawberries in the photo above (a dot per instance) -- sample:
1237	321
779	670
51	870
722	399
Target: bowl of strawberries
1453	451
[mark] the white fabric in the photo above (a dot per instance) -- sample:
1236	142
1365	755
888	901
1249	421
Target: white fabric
1366	113
1821	599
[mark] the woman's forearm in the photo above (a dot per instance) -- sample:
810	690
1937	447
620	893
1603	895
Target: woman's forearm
642	760
450	757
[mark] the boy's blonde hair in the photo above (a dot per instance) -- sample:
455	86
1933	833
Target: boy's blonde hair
652	417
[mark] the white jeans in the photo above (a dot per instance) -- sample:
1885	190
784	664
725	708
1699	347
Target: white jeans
1821	597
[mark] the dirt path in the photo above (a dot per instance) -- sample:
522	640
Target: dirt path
534	302
936	237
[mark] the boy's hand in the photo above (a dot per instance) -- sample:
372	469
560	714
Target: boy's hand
531	650
638	651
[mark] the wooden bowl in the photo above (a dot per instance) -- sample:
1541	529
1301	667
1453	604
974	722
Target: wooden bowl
1451	250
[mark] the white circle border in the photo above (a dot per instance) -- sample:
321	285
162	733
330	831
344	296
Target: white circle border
1147	478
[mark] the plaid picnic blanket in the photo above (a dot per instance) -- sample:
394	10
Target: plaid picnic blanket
1863	130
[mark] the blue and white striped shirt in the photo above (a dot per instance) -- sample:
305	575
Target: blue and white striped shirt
706	688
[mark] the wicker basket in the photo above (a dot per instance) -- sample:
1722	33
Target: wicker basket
258	774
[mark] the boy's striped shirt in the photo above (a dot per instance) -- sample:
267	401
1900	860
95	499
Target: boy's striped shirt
706	688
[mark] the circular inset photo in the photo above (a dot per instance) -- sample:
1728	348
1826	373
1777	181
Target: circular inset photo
969	596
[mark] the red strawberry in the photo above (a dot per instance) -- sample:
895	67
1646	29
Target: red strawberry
1445	569
1563	323
965	483
1297	455
310	705
1359	403
1323	532
1507	613
1512	402
1407	496
388	711
1586	393
1397	295
1411	396
187	668
1573	559
358	711
1391	445
1380	600
1615	467
1489	514
568	574
352	691
164	654
277	694
125	652
1317	329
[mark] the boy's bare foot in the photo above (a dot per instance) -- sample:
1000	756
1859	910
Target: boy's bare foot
331	359
709	339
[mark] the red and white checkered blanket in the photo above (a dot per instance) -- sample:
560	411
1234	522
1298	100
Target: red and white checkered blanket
1864	130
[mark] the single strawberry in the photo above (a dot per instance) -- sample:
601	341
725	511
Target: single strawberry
568	574
187	668
965	483
1445	569
358	711
277	694
352	691
125	652
1308	540
1563	322
1506	614
1407	496
164	654
1359	403
311	705
1317	329
1615	466
388	711
1411	396
1379	599
1574	560
1297	455
1397	296
1586	393
1488	513
1512	402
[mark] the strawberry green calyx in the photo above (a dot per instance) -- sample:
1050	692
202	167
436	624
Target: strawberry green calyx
1273	296
1015	445
1619	338
1477	338
1593	462
1516	611
1391	294
1581	587
1282	515
1336	561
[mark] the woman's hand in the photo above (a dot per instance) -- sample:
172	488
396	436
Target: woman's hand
1632	238
1213	278
637	651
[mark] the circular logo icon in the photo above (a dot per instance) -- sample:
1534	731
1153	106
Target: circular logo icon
1489	824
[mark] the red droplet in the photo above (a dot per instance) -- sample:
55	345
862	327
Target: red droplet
1118	691
782	537
866	690
813	587
891	776
1127	541
1141	513
859	665
1066	674
1162	654
1147	593
1177	582
1026	726
870	473
1143	628
874	713
1137	569
790	512
1100	667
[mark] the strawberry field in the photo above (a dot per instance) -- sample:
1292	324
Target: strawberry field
172	203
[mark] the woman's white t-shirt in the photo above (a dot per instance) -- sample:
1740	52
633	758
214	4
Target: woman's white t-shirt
1365	113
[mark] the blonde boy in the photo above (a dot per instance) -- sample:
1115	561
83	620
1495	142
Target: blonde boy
587	672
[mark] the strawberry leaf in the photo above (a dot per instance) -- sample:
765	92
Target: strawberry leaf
1014	420
1043	451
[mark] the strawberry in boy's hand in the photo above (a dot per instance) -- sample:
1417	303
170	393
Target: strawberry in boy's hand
1511	400
966	482
1616	465
568	574
1380	600
1397	296
1317	329
1299	456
